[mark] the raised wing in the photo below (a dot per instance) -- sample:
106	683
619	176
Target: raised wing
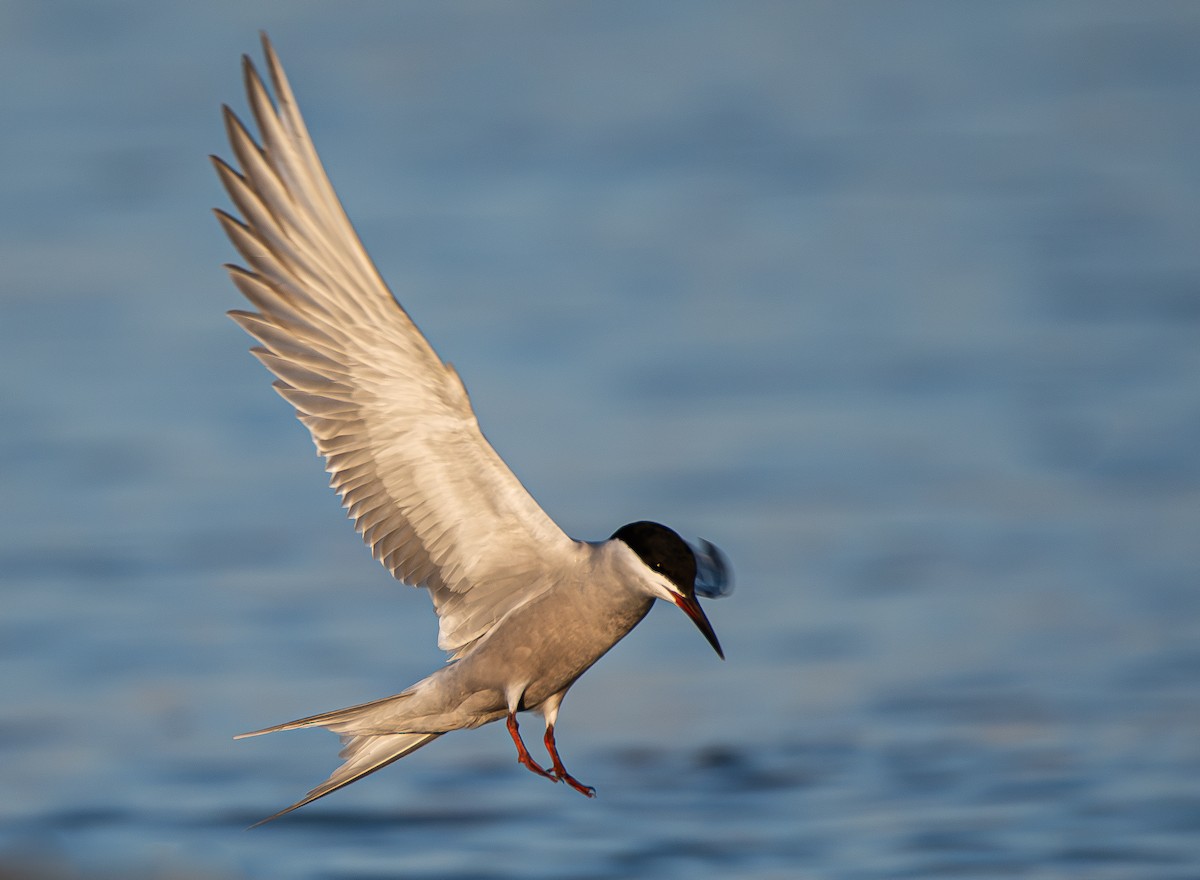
714	578
431	498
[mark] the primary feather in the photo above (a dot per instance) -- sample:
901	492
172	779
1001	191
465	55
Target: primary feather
431	498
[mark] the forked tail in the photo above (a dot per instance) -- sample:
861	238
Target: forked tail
363	753
372	717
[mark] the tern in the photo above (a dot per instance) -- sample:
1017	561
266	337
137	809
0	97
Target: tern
523	610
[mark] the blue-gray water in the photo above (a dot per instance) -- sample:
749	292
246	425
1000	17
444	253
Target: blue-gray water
898	303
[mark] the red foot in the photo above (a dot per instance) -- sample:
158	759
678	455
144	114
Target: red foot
523	753
560	771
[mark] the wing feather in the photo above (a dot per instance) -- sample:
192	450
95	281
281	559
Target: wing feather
431	498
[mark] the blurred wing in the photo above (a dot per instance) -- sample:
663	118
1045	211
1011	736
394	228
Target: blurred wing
714	578
431	498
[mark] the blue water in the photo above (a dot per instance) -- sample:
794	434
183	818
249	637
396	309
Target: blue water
897	303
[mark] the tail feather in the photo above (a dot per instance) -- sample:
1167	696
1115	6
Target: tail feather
348	720
370	743
364	755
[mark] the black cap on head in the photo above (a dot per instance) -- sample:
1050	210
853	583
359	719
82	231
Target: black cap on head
663	551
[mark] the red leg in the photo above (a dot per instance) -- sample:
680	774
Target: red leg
522	752
561	771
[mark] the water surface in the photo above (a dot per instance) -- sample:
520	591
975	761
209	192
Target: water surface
900	305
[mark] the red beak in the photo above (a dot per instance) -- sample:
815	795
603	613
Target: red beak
691	607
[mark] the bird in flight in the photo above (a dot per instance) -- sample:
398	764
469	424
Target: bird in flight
523	609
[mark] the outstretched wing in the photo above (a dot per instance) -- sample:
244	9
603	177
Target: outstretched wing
714	578
431	498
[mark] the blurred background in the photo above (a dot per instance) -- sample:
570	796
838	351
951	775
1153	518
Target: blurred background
897	303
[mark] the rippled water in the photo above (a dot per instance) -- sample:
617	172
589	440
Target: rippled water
898	303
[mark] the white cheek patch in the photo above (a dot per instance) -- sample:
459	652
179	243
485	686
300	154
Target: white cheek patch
663	588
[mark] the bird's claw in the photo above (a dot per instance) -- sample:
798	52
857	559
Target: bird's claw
535	767
561	775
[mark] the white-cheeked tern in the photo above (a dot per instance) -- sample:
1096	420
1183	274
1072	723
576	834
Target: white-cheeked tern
523	609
